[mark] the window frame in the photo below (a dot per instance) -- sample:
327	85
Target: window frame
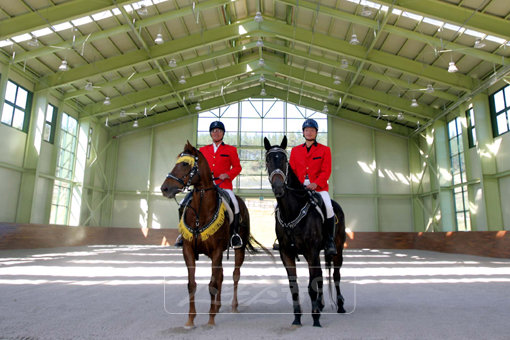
494	115
26	111
64	174
249	143
52	123
460	187
471	130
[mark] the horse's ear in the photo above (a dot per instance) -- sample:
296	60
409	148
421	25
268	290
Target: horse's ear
284	143
188	146
267	145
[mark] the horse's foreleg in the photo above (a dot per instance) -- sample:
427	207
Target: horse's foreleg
192	285
239	259
215	285
315	288
290	265
337	264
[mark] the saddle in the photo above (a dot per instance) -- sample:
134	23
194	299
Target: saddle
224	196
317	201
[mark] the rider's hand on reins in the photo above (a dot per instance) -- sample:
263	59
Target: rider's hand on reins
311	186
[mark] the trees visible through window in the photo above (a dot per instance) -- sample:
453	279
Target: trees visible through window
458	169
248	122
16	106
470	117
65	165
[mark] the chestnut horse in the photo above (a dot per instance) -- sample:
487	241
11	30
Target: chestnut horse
206	209
299	230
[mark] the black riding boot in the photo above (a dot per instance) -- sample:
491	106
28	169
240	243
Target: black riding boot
329	240
235	240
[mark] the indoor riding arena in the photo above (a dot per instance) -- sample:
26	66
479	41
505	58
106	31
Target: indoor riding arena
104	105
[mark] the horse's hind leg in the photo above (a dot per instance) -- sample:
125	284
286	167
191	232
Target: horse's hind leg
290	265
192	285
239	259
215	285
337	264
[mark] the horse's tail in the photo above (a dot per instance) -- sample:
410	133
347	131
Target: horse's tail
255	247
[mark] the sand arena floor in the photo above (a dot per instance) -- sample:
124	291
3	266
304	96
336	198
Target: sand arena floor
140	292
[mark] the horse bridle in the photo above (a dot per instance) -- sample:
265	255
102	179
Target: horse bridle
276	149
183	157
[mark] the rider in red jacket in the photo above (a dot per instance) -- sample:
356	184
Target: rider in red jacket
225	166
311	162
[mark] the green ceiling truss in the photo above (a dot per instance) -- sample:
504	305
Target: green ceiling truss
460	16
297	84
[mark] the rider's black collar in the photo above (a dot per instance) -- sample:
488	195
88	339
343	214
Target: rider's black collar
308	148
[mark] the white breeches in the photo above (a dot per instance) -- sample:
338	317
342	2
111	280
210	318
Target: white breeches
327	203
234	200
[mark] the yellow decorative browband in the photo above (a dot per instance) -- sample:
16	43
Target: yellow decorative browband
187	159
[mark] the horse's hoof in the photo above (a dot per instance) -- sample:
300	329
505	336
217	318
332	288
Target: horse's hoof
235	310
316	324
295	326
189	327
209	326
340	309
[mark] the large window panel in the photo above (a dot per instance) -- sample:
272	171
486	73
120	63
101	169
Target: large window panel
256	119
16	106
458	171
61	199
500	111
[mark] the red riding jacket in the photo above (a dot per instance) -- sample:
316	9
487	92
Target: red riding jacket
316	163
224	161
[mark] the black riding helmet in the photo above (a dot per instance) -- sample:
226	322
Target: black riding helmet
217	125
310	123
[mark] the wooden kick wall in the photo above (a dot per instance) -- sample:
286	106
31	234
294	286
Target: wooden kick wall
28	236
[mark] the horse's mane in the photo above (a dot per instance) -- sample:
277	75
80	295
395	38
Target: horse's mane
293	181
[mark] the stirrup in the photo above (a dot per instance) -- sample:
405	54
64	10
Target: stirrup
236	241
330	249
178	241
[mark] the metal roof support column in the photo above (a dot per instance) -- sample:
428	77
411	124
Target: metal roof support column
28	187
490	184
415	170
444	179
376	183
149	181
4	76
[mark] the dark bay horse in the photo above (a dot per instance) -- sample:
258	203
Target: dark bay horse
299	230
206	209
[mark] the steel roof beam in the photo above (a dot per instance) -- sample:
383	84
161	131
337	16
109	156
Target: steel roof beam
357	91
432	41
375	57
54	15
156	92
140	56
458	15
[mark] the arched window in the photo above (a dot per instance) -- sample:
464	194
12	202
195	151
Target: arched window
247	123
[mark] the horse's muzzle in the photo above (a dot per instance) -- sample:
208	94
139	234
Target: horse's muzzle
278	189
169	191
